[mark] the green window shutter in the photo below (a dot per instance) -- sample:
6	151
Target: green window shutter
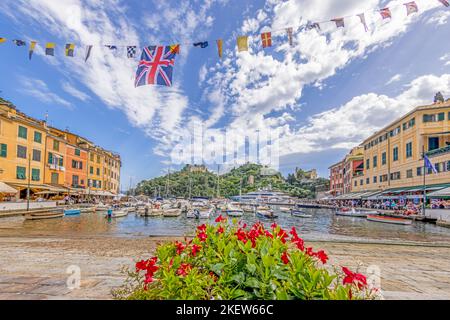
61	162
77	152
35	174
21	173
4	150
50	158
55	145
23	132
441	116
37	137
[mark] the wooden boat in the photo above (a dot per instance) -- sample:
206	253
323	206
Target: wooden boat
171	212
44	215
266	214
392	220
354	213
72	212
300	214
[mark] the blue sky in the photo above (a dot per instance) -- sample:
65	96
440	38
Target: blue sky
324	95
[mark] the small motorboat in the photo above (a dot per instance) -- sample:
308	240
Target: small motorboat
300	214
266	214
285	209
392	220
248	209
191	214
174	212
72	212
44	215
346	212
119	213
101	207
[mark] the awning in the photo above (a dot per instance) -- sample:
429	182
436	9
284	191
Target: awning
440	193
372	195
4	188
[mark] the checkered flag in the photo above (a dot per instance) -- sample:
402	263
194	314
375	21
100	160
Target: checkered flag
131	51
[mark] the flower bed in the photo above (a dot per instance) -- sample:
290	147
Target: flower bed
235	261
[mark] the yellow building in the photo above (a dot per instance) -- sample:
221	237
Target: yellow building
22	149
393	156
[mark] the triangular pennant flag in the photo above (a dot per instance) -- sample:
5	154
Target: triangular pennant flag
445	3
2	40
242	43
363	21
131	51
202	45
339	22
289	32
111	47
386	13
411	7
19	43
70	48
175	48
50	49
88	52
220	47
266	39
32	47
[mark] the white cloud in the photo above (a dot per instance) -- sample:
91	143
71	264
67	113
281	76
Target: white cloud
446	59
394	78
70	89
39	90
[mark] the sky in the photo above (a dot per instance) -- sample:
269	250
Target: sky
313	101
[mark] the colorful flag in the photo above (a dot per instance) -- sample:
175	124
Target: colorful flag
266	39
289	32
220	47
363	21
2	40
88	53
202	45
20	43
429	165
131	51
445	2
411	7
339	22
156	66
386	13
111	47
175	48
50	49
242	43
70	48
31	50
313	25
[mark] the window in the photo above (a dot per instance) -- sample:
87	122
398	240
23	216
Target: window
419	171
409	173
74	164
395	154
37	137
36	155
98	171
367	163
433	143
98	159
448	165
75	180
50	158
91	170
35	174
21	152
21	173
383	178
409	150
383	158
56	145
367	180
375	179
55	178
434	117
395	176
356	183
375	161
92	157
99	184
3	150
61	162
441	116
23	132
77	152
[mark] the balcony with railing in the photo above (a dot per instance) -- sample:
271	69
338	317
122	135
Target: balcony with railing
439	152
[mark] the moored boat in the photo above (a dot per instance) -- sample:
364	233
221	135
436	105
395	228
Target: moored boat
171	212
354	213
285	209
266	214
233	211
44	215
376	218
300	214
118	214
248	208
101	207
72	212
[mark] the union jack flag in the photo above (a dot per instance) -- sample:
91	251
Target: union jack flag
156	66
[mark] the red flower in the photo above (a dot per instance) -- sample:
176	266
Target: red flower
241	235
293	232
285	258
148	278
282	235
274	225
202	236
354	278
322	256
202	228
195	249
300	244
309	251
180	247
269	235
220	219
184	269
220	230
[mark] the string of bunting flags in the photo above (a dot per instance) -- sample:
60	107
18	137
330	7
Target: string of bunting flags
156	62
